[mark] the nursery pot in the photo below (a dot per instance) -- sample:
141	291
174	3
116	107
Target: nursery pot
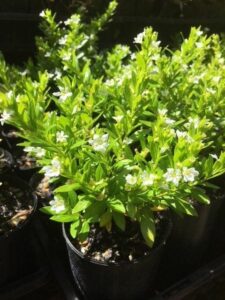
16	252
127	281
189	242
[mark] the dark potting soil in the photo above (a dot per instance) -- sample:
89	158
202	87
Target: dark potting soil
25	162
15	207
5	160
42	188
116	246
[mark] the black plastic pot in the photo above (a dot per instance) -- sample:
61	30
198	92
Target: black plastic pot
132	281
189	243
16	249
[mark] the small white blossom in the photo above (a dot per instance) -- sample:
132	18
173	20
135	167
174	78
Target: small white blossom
189	174
139	38
127	141
42	14
214	156
195	121
199	32
66	56
147	178
162	112
9	94
99	142
184	134
63	94
36	151
47	54
57	205
216	79
61	137
169	121
54	169
131	180
62	40
173	175
6	115
118	118
199	45
57	74
155	44
75	19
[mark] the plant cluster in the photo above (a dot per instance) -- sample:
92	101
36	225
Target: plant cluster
121	133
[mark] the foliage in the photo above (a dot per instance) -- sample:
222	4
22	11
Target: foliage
122	134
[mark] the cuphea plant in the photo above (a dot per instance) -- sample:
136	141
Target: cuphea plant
127	135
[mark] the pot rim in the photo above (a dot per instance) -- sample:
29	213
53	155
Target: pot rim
162	243
17	181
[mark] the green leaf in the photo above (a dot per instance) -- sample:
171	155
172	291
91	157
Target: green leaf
148	228
67	188
199	195
184	207
131	210
105	219
47	210
77	144
81	205
74	228
119	219
64	218
99	173
116	205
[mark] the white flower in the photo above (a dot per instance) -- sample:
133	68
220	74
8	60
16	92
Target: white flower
99	142
61	137
40	152
67	56
131	180
173	175
118	118
155	44
216	79
63	94
6	115
199	44
62	40
57	205
47	54
189	174
54	169
195	121
57	74
162	112
147	178
37	151
9	94
214	156
75	19
139	38
199	32
184	135
42	14
169	121
127	141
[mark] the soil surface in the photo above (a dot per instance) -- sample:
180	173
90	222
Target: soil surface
15	206
118	247
6	161
25	162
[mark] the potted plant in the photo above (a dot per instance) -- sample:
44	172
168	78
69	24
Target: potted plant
119	147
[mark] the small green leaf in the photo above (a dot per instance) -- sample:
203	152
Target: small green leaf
47	210
67	188
105	219
81	205
74	228
64	218
116	205
119	219
148	228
